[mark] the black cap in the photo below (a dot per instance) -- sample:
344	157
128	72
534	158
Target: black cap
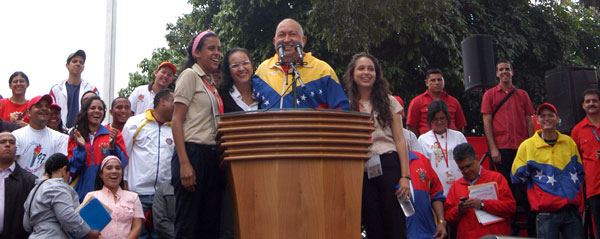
77	53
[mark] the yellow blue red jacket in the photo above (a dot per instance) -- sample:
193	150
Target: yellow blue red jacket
553	174
427	188
322	87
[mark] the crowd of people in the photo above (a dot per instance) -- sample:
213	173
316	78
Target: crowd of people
157	168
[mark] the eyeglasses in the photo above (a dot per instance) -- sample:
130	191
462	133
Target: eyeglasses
235	66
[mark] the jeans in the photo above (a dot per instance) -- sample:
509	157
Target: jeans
566	222
146	201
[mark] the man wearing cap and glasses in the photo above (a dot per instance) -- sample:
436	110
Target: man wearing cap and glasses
142	98
36	142
549	163
586	135
68	93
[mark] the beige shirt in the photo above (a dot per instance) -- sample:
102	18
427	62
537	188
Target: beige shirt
383	141
199	125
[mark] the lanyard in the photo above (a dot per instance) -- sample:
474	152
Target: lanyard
595	133
215	94
444	155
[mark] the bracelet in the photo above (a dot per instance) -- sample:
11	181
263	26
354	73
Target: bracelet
407	177
442	221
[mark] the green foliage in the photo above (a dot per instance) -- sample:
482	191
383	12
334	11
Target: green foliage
148	67
407	36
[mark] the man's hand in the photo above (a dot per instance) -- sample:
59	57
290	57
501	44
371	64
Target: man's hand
113	136
440	231
496	156
474	203
92	234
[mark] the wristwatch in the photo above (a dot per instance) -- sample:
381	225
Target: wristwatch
481	205
442	221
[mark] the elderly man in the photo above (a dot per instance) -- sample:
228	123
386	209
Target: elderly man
15	184
549	163
272	83
462	206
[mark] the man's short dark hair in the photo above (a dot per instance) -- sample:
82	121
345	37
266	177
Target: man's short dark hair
162	94
502	60
464	151
112	104
591	91
432	71
56	162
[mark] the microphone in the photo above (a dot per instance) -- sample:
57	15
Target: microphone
298	47
281	51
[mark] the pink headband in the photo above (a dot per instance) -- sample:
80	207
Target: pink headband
108	158
198	38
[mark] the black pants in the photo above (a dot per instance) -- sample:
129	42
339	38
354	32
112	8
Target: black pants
382	215
594	203
198	213
519	192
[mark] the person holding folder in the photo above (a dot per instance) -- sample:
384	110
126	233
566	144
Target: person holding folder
50	206
464	210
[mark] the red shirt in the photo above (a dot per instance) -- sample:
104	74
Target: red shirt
509	125
10	107
468	226
587	144
417	112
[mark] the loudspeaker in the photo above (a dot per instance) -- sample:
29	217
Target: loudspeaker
478	62
564	89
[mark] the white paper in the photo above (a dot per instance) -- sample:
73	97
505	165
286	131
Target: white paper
485	191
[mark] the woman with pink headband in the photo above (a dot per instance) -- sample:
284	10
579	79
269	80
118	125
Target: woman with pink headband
196	176
126	209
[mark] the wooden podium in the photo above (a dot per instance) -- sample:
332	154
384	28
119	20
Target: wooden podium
297	173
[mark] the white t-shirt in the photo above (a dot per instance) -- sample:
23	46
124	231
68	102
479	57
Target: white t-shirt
447	170
35	146
412	142
141	99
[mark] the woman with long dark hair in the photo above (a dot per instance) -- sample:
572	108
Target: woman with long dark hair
90	142
196	176
125	206
369	92
236	85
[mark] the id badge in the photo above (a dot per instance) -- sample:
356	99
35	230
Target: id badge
373	167
450	177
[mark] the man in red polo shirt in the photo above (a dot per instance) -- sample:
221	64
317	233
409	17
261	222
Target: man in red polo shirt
507	128
586	136
417	111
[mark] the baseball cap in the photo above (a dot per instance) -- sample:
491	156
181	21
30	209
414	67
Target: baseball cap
169	64
546	106
55	106
77	53
37	99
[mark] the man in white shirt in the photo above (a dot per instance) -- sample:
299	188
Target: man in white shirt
142	98
150	146
36	142
68	93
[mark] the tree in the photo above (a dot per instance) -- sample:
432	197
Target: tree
409	37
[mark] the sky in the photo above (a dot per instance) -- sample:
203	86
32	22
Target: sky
38	36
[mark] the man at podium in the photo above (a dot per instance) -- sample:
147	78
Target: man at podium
317	85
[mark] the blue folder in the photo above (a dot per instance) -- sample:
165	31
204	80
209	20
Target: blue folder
95	215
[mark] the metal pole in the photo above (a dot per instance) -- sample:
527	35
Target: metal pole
109	54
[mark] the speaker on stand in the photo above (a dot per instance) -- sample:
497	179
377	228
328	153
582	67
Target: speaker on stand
479	66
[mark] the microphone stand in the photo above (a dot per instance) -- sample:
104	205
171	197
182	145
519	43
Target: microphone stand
293	71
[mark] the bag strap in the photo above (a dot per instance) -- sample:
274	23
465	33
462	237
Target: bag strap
503	101
33	198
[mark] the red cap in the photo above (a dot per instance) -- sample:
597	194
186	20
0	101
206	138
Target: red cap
55	106
37	99
546	106
169	64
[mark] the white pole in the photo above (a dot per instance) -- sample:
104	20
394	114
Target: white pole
109	54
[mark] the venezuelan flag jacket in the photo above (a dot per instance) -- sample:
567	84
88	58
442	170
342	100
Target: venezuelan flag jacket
553	173
323	89
427	188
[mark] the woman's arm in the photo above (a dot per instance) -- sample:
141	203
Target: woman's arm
400	142
136	228
187	174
